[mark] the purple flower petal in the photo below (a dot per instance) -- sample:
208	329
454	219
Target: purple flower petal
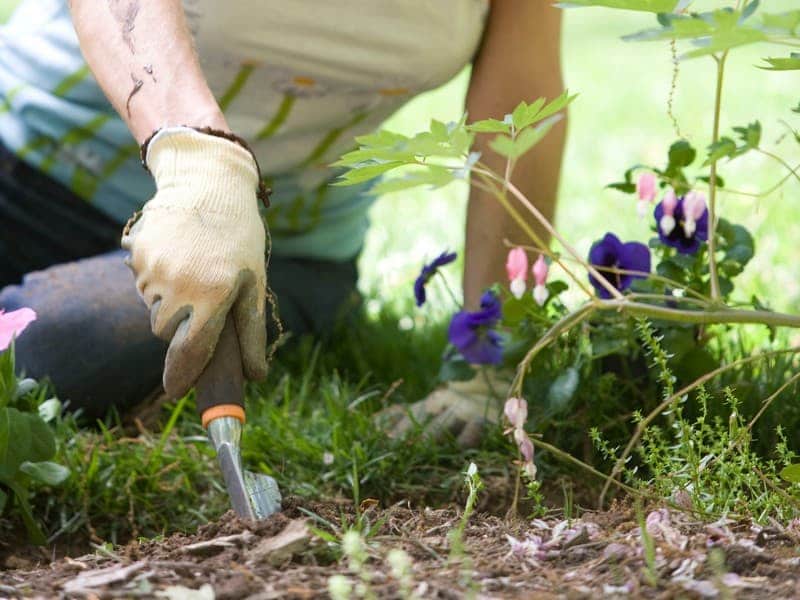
429	271
611	252
472	334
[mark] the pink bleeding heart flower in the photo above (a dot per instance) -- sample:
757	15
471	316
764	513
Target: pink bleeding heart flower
670	201
646	191
516	411
694	205
524	444
540	270
13	323
517	269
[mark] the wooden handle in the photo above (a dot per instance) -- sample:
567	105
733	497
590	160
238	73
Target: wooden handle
220	388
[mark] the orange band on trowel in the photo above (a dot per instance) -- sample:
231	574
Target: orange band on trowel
222	410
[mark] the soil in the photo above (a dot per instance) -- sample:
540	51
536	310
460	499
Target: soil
600	554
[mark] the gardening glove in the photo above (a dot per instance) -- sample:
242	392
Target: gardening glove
197	251
461	409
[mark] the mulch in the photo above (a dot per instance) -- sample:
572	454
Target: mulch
599	554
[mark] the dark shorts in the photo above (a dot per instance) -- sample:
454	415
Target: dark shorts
92	339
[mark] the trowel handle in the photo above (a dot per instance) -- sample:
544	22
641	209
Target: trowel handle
220	388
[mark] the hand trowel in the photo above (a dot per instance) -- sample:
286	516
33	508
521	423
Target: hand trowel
220	402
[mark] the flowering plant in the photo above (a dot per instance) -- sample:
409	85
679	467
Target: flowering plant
681	281
27	443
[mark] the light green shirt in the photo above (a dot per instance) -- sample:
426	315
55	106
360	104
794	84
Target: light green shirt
298	79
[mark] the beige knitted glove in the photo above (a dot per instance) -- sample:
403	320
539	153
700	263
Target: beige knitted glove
198	252
461	409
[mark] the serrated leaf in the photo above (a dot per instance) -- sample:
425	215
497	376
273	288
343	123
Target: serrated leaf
786	23
46	472
750	135
431	175
358	175
489	126
724	147
527	139
783	64
654	6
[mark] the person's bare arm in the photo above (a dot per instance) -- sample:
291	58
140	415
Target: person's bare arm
519	60
141	53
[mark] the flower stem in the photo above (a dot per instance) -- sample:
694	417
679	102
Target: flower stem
716	296
615	293
449	289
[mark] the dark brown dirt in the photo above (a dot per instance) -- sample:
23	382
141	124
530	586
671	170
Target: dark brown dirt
596	555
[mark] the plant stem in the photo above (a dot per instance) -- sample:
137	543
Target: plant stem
503	199
721	315
716	296
567	246
564	324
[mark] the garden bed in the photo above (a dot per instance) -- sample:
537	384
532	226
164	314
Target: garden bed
598	554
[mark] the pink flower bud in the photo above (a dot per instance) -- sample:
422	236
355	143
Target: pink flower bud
694	205
516	411
668	203
646	187
525	446
540	270
517	264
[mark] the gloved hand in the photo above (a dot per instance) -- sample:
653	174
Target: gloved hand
198	251
459	408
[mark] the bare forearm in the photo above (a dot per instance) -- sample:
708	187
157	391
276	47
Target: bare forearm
141	53
519	60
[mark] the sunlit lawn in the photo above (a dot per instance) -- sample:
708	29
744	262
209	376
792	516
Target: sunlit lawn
618	120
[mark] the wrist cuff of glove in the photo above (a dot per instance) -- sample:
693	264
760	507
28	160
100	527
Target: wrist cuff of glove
188	140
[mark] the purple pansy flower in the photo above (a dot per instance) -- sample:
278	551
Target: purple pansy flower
473	335
611	252
429	271
687	233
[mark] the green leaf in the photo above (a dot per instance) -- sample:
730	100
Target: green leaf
21	494
791	473
489	126
3	501
514	310
432	175
563	389
654	6
513	148
786	23
46	472
23	437
783	64
681	154
361	174
627	188
750	135
724	147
